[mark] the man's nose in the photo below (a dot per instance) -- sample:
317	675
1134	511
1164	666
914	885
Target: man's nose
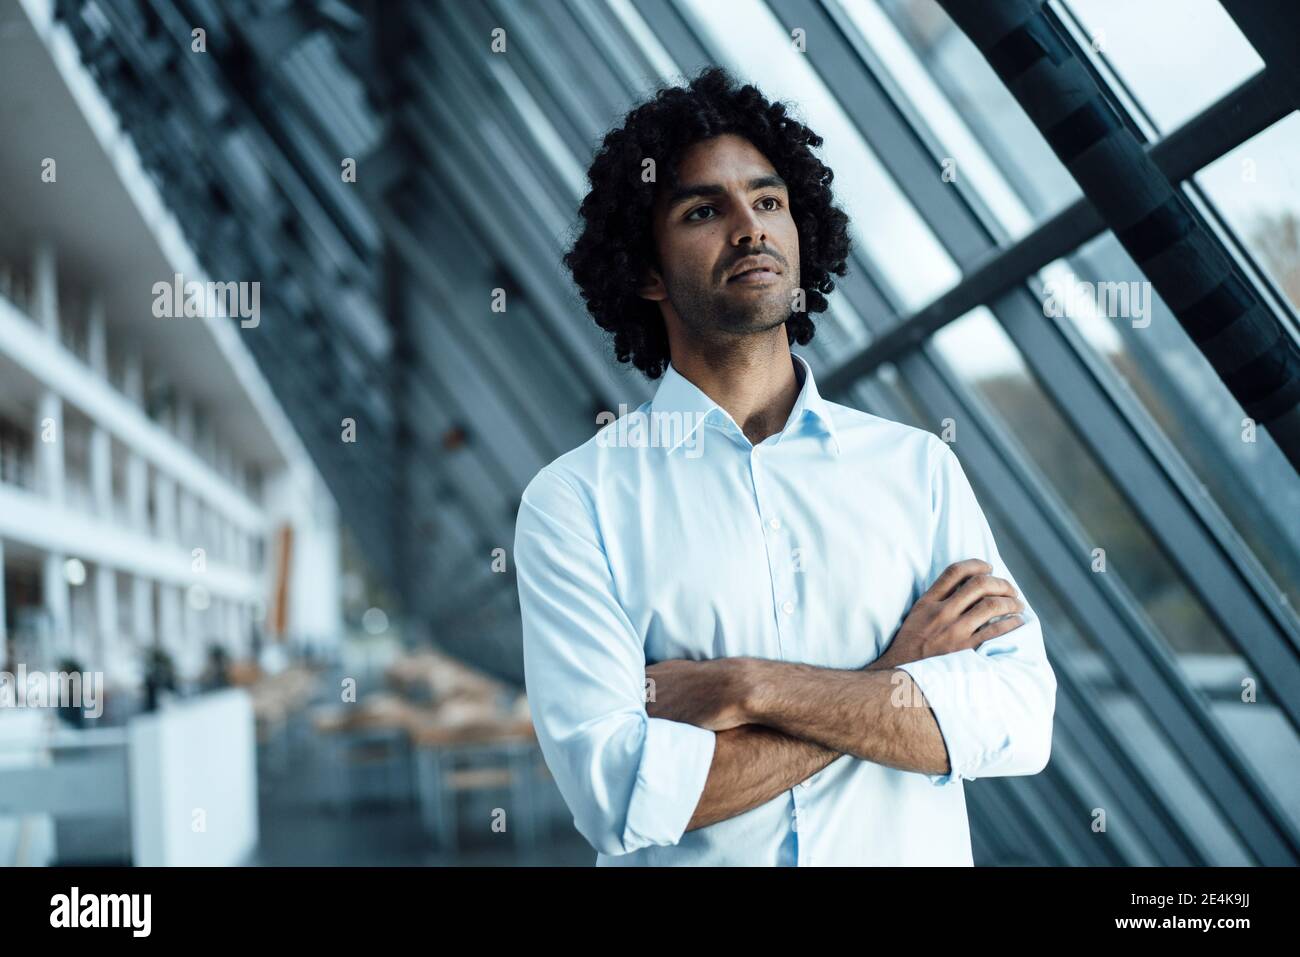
748	228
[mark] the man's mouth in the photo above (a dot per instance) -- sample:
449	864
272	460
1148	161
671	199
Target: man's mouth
753	277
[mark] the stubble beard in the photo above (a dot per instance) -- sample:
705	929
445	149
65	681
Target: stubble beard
709	315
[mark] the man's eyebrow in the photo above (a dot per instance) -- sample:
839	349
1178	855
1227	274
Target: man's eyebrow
702	190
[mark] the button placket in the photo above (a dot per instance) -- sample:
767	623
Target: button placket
778	573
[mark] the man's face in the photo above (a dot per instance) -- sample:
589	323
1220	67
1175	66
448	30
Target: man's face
729	205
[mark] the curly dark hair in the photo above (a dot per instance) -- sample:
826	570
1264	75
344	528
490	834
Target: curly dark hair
616	240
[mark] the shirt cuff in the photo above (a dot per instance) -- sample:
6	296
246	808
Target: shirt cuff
675	762
950	685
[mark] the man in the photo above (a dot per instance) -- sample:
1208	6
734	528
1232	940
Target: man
712	587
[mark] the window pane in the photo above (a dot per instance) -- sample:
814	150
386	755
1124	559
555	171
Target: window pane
968	109
1208	658
998	375
1176	56
1264	736
1198	817
841	332
1256	188
1072	646
1243	472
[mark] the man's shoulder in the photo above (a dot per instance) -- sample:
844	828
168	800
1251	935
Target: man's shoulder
580	468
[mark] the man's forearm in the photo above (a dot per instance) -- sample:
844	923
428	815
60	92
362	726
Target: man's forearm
751	765
876	714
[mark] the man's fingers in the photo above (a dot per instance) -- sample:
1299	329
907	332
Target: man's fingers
996	629
986	609
973	590
954	575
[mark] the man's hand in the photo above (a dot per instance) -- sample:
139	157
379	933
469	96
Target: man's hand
708	694
956	613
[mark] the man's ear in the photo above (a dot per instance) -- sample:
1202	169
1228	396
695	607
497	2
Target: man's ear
652	286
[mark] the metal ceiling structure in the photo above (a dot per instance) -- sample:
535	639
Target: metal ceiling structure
379	302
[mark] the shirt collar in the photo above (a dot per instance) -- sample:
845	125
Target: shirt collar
676	393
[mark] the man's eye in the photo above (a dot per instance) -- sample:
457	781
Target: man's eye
766	199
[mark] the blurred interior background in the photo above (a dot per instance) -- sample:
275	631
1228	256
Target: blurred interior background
282	536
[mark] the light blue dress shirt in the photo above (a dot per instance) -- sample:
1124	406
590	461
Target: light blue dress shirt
669	535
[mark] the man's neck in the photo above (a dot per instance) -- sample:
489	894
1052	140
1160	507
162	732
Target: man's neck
757	386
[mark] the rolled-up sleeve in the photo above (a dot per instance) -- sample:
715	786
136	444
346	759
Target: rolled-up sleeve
630	780
994	704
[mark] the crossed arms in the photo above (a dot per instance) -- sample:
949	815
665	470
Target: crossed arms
964	688
778	723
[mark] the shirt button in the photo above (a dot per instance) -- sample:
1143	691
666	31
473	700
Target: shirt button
788	608
775	523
